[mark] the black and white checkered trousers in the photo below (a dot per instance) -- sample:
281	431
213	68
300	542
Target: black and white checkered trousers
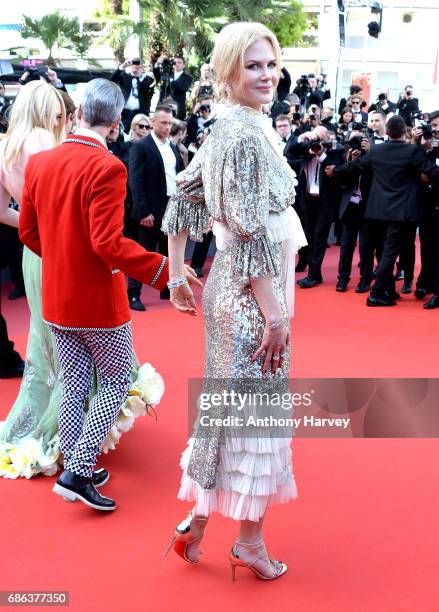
111	351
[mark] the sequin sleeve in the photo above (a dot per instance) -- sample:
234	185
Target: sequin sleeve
186	210
245	189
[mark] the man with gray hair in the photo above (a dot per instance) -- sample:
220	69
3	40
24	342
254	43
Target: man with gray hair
72	216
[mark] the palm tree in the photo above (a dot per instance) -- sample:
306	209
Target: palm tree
54	30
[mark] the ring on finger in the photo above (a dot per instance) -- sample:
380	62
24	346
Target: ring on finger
276	357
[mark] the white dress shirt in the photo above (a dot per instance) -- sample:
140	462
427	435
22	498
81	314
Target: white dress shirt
90	134
133	101
313	172
169	161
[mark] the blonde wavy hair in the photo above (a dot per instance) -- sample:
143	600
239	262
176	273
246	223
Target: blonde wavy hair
228	53
139	118
35	107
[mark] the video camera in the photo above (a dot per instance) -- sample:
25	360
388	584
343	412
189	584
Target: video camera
167	69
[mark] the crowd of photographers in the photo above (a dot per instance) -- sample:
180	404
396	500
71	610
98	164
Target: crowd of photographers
348	186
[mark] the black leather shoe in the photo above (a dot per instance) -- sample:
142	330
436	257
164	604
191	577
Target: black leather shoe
136	304
406	288
73	487
100	477
198	272
308	283
433	302
399	275
341	286
165	294
374	300
362	287
17	293
421	292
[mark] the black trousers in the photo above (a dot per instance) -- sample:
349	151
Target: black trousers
429	238
11	254
153	239
407	251
8	357
352	222
317	226
201	249
371	240
393	232
7	353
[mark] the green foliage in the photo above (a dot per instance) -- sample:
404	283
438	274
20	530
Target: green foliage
110	8
289	27
54	30
57	31
191	25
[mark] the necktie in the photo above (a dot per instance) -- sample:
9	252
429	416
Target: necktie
135	87
316	177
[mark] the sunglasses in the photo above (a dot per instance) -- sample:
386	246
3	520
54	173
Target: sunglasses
355	101
143	126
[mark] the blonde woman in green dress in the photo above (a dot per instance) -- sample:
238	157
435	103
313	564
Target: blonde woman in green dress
29	435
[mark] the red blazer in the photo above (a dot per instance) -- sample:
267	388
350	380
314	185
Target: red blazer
72	216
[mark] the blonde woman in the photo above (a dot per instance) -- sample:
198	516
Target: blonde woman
140	127
37	123
248	192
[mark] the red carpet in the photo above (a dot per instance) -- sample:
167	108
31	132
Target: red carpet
363	535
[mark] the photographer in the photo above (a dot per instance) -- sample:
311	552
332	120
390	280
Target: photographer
137	89
383	103
394	199
309	93
426	136
356	189
41	73
174	81
201	113
407	105
317	196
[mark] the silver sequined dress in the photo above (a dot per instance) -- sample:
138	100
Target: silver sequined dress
238	179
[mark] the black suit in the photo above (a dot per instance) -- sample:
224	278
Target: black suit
176	90
145	91
378	106
314	96
147	180
318	212
407	106
395	197
353	225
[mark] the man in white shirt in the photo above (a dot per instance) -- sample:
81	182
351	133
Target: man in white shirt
377	122
137	88
153	165
175	85
317	197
